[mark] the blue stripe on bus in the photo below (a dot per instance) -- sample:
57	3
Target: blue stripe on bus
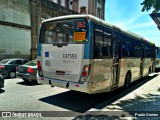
39	49
88	53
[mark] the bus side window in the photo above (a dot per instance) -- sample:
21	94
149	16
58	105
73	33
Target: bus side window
106	50
98	43
128	47
123	50
98	49
102	43
136	48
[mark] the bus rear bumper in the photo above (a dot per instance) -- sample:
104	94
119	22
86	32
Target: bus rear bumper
65	84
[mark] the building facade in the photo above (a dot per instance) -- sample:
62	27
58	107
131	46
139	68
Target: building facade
20	21
93	7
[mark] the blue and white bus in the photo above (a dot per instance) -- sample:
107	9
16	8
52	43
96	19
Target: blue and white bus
84	53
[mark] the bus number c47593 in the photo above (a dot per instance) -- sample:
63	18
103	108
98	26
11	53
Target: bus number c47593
70	56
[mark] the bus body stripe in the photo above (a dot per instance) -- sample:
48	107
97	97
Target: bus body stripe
88	53
39	49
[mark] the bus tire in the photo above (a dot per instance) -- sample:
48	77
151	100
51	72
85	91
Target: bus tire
127	80
149	71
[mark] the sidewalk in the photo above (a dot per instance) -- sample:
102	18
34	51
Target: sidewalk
143	103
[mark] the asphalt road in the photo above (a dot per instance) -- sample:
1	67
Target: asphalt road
65	104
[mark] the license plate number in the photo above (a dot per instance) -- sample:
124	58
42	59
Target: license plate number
60	72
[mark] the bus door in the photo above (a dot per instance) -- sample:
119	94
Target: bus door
153	58
116	64
142	60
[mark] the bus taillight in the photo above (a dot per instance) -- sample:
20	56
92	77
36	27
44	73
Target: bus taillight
39	69
85	73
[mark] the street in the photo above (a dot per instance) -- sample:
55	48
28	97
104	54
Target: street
20	96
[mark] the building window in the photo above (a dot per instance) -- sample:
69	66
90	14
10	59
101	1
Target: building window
59	2
67	3
99	12
74	5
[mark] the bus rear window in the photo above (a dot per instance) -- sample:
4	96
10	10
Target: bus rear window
66	31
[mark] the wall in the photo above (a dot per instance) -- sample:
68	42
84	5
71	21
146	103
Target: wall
15	33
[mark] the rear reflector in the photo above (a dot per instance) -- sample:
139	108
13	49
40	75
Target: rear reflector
42	78
76	85
85	73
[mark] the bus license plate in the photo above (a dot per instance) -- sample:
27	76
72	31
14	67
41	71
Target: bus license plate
60	72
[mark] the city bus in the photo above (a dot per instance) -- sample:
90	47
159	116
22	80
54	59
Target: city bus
84	53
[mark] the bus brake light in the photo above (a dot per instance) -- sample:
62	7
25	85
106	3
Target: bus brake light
39	66
85	73
40	73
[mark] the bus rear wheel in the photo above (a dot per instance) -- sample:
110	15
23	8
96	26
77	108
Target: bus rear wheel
127	80
149	71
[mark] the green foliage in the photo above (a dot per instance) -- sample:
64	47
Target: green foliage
151	4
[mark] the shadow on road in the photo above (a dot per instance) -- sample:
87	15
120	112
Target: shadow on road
72	100
30	83
81	102
97	117
7	78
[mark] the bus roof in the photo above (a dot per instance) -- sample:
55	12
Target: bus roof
78	16
96	19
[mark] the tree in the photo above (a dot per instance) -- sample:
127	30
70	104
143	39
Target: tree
151	4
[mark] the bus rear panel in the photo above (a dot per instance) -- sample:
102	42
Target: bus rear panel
63	54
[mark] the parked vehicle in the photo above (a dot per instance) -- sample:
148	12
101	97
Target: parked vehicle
28	71
8	66
1	81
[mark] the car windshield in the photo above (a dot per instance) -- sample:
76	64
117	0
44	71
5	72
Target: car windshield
4	61
32	63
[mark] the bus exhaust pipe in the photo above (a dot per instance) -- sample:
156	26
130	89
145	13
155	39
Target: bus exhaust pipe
50	83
